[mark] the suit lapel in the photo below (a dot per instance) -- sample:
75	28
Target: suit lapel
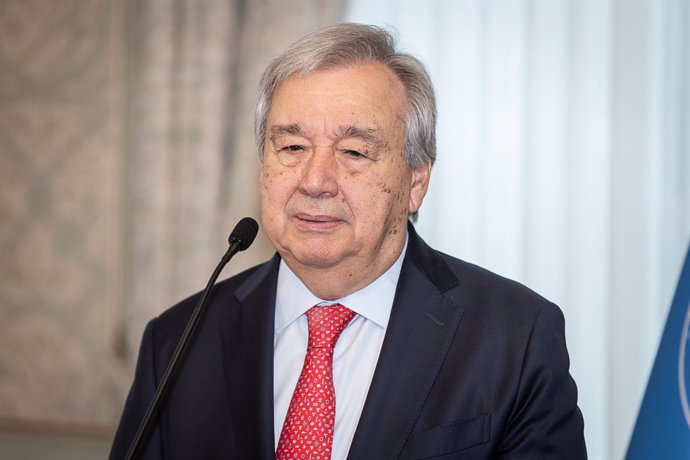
247	334
421	327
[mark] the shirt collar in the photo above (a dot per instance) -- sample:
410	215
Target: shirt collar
374	301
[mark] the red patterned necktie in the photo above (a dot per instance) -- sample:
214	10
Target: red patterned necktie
308	429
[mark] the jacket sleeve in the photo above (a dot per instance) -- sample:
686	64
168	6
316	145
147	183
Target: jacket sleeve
545	421
140	394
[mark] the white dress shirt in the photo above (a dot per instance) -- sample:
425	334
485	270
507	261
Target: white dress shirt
354	357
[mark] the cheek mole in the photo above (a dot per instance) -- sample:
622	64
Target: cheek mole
383	187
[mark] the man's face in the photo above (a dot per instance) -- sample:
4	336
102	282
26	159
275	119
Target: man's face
335	188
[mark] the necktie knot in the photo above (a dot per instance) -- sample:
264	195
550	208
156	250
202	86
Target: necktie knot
326	323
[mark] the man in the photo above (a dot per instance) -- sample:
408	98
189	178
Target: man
421	355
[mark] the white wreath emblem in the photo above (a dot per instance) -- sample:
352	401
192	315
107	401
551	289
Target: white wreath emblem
681	367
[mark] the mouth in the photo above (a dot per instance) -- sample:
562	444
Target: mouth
318	222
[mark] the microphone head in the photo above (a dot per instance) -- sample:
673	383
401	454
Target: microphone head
244	233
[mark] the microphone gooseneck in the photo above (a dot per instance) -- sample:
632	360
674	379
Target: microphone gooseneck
241	238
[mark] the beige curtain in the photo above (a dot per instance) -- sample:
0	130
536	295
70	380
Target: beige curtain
126	156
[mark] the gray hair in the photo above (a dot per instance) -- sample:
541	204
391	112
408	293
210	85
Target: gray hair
342	45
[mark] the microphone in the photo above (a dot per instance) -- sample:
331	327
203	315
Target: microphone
243	234
241	238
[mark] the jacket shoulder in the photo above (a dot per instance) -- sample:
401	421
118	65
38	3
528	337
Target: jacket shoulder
221	300
476	285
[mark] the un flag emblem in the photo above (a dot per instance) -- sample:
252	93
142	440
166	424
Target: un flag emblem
684	367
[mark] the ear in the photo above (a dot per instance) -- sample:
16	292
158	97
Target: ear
420	184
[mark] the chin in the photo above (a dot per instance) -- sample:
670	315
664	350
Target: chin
315	257
318	260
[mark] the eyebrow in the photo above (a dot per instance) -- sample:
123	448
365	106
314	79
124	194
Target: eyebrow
280	130
371	136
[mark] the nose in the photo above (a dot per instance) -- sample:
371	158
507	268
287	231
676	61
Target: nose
319	174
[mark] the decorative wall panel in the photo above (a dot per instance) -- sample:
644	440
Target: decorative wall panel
61	120
126	155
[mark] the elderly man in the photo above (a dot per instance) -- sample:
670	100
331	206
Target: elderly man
357	340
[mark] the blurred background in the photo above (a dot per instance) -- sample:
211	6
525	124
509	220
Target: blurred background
126	156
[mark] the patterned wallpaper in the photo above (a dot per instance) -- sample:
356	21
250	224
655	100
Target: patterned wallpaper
126	156
60	127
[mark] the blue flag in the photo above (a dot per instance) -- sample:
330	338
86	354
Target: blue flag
662	430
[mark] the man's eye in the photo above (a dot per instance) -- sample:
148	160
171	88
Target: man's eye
293	148
353	153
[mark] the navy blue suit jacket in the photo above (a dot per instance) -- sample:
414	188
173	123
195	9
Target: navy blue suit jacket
473	366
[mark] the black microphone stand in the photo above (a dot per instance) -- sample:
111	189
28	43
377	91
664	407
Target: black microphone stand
240	239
